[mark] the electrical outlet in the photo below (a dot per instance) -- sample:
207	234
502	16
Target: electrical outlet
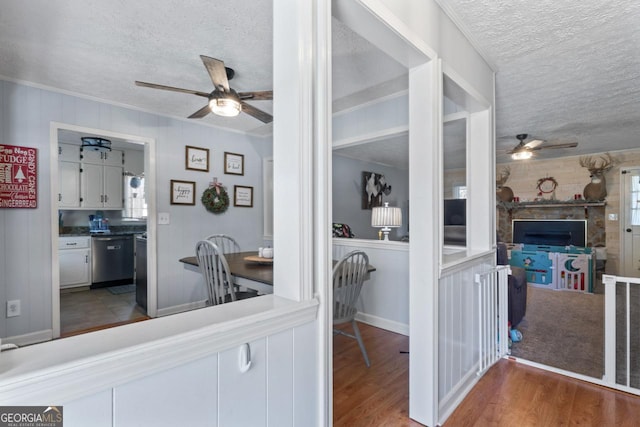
164	218
13	308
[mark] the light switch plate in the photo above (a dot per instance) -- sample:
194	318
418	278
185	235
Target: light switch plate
164	218
613	217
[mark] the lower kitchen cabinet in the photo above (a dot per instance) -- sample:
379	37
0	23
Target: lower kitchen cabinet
74	255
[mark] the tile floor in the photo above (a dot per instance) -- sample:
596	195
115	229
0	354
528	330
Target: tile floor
95	307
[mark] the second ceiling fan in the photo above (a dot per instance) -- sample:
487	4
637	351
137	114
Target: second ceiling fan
524	150
223	100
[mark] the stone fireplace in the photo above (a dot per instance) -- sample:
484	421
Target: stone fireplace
594	213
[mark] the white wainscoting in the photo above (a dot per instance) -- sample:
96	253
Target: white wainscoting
384	300
183	369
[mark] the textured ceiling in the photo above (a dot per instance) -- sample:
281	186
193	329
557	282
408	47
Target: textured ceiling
566	71
99	48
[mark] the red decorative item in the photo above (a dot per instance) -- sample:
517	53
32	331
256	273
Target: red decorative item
18	177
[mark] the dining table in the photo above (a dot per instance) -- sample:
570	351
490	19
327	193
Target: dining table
250	271
247	269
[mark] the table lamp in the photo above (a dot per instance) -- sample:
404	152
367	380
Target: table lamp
386	217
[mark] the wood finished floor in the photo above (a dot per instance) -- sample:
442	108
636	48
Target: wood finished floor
509	395
375	396
93	309
514	394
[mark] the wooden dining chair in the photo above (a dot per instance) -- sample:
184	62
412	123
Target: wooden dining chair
215	271
227	244
348	275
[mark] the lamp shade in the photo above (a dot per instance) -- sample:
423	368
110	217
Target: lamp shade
386	216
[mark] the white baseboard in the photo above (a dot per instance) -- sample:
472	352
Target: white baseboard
30	338
174	309
386	324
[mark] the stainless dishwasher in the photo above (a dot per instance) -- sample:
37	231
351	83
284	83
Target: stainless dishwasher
111	260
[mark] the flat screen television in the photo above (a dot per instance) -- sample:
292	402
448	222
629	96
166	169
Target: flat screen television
555	232
455	212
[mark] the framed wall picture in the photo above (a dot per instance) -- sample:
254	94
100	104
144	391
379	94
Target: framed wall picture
242	196
233	163
196	158
183	192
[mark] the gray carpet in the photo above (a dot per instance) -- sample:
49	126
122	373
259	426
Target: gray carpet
563	329
566	330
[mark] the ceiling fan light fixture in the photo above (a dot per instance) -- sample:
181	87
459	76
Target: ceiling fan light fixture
522	155
226	104
95	144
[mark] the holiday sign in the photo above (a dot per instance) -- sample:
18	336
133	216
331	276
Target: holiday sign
18	177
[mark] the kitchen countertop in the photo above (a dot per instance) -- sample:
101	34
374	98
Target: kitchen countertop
115	231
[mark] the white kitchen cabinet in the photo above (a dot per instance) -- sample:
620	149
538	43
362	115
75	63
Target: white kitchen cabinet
68	153
101	179
74	255
68	184
101	186
111	158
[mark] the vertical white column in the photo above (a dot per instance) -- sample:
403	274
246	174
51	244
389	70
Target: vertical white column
425	134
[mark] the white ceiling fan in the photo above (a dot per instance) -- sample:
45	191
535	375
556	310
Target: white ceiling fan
524	150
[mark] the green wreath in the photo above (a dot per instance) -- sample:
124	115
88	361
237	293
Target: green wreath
215	199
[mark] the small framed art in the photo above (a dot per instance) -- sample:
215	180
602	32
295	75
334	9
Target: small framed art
242	196
196	158
233	163
183	192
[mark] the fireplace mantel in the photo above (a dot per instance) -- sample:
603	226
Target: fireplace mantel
511	206
550	204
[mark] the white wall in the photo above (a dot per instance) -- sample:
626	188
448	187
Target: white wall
384	299
347	196
25	247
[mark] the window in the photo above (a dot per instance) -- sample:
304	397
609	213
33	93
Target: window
135	205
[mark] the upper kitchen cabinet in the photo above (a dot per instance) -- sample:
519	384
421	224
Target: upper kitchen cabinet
68	153
68	176
110	158
101	186
89	179
68	184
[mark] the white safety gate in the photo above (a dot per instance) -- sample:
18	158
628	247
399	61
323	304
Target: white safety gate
472	324
622	333
493	311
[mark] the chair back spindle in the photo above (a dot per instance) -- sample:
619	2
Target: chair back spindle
225	243
348	276
215	271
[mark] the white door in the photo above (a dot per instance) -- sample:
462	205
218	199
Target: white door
630	239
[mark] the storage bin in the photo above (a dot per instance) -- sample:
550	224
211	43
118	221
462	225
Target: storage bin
538	265
574	272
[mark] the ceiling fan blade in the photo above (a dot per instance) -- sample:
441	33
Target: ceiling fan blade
254	112
565	145
171	88
200	113
262	95
217	72
534	143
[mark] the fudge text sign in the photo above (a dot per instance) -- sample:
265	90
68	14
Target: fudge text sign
18	177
